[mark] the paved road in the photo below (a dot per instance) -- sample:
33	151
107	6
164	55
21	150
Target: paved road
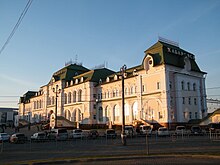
100	151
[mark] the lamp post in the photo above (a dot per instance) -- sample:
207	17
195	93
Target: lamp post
123	136
56	91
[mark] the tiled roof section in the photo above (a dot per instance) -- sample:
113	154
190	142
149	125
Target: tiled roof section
95	75
27	96
164	53
68	72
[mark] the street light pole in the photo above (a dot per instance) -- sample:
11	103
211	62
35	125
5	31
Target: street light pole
123	136
56	91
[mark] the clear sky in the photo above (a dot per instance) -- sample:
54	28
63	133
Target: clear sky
97	31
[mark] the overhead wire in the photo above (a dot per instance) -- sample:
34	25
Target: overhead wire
17	24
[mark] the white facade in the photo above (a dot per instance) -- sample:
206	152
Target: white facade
166	89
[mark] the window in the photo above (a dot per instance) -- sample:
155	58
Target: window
183	100
52	100
188	86
74	96
143	88
195	101
182	85
194	87
80	95
196	115
158	85
189	100
69	97
170	85
190	115
126	91
185	115
65	98
171	100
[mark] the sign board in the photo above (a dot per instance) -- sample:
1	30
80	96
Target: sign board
52	120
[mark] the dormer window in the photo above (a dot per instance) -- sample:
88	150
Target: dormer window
107	79
148	62
76	81
81	79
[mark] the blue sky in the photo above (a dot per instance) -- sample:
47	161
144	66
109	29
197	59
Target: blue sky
98	31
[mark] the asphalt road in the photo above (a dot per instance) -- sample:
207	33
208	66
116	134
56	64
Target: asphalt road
80	151
139	150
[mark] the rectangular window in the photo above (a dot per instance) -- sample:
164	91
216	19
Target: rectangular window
195	101
189	100
183	100
190	115
196	115
158	85
143	88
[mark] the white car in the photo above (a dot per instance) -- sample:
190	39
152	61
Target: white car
4	137
145	129
77	133
163	131
39	136
180	130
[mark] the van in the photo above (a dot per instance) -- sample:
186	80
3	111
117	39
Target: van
60	133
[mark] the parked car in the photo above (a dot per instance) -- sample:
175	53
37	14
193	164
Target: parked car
163	131
93	134
110	133
196	130
18	138
4	137
180	130
214	127
129	131
39	136
146	129
77	133
60	133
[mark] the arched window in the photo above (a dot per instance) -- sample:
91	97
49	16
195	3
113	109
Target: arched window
182	85
69	97
127	112
80	95
116	113
65	98
126	91
52	100
194	86
74	96
188	86
135	110
100	114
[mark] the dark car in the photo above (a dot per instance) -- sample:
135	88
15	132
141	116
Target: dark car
110	133
196	130
18	138
93	134
214	127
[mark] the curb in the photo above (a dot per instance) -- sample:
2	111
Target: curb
109	158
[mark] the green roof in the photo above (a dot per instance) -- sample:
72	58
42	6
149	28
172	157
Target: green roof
164	53
95	75
68	72
27	96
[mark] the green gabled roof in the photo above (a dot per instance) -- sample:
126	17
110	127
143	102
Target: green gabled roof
164	53
68	72
27	96
95	75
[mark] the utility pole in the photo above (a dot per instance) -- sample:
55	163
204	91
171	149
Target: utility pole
123	136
